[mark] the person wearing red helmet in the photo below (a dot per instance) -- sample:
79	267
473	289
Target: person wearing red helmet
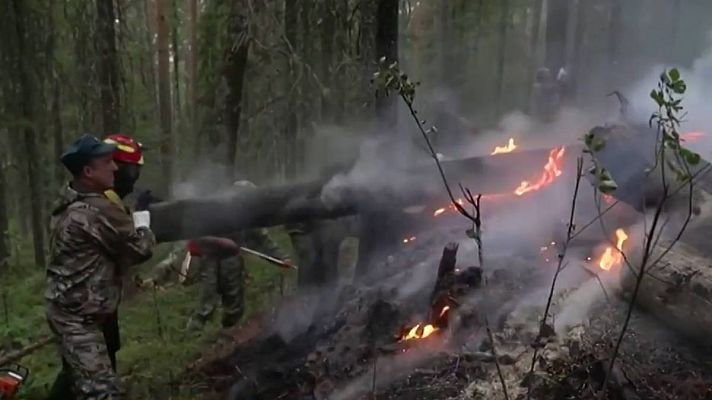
129	160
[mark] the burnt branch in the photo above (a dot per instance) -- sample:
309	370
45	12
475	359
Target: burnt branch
544	329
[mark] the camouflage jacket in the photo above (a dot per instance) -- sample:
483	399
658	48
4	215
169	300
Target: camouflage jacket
93	242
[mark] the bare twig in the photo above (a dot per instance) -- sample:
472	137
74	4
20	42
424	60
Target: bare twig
373	379
157	311
560	265
6	313
29	349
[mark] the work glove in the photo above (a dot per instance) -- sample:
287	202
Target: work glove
145	199
141	219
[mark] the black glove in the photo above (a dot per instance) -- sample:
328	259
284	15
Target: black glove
145	199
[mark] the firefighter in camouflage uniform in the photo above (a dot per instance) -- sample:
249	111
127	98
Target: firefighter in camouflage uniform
93	243
222	271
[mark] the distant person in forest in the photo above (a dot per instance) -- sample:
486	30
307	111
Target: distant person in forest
546	96
92	245
222	270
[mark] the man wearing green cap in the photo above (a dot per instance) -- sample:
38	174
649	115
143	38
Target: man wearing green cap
93	242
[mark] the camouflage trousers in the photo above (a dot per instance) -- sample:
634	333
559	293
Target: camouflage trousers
223	281
85	357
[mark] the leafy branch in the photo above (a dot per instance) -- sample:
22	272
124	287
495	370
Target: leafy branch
670	157
390	79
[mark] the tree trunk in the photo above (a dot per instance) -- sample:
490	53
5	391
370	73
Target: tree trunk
4	239
32	154
164	95
57	133
502	51
556	21
234	74
578	65
193	76
291	123
614	34
678	290
387	47
676	6
327	57
108	67
176	63
534	44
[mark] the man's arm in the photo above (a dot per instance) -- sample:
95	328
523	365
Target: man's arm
262	241
115	231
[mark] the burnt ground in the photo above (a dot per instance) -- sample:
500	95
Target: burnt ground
335	361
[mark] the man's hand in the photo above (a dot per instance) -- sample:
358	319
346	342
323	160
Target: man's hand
145	199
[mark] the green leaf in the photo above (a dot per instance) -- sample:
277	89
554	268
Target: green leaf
691	158
471	233
674	74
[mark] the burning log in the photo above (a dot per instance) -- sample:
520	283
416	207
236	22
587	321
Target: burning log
677	291
271	206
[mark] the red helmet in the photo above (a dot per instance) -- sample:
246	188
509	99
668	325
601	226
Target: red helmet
128	150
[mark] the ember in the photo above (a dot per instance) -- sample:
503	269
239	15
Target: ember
692	136
505	149
409	239
609	259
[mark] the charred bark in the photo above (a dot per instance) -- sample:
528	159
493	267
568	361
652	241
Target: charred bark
164	95
234	74
677	290
32	154
108	66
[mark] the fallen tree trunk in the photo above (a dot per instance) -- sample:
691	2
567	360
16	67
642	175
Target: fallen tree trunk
678	291
342	196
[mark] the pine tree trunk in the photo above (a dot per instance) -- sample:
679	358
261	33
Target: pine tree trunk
4	239
164	95
503	22
556	20
578	65
327	57
193	77
32	154
291	122
176	63
57	133
534	44
614	33
387	46
108	66
234	73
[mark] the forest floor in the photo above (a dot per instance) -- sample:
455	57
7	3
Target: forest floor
155	347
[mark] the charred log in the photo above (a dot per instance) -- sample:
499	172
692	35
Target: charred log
678	291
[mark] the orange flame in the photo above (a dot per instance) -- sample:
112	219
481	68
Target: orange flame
551	172
421	331
505	149
609	259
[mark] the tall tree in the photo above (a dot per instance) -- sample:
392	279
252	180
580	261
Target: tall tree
108	66
32	153
4	240
291	122
193	75
328	15
164	94
176	61
234	74
534	42
501	53
387	46
556	28
578	66
614	31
